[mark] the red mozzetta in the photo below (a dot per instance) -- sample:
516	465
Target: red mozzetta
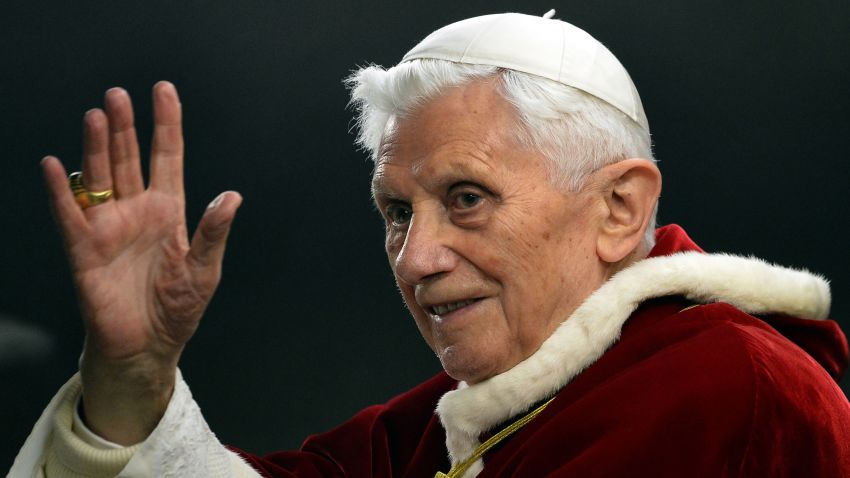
692	387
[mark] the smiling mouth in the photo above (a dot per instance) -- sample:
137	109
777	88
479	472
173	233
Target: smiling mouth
450	307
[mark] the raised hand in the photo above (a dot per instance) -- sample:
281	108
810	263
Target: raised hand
142	286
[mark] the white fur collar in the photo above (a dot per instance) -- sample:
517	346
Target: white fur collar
749	284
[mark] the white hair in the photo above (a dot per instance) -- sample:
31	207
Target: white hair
576	131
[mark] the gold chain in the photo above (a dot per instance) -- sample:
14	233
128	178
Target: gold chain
459	469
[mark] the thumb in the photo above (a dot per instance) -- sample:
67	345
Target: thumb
207	248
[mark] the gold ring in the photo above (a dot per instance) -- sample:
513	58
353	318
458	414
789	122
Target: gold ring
85	198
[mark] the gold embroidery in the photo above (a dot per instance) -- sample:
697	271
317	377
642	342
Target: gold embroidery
459	469
689	307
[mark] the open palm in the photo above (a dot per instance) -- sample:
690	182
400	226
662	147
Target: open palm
142	285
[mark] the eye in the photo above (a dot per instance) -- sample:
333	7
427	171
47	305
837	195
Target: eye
467	200
398	214
470	204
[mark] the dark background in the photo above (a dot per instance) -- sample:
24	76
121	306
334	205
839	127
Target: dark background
747	102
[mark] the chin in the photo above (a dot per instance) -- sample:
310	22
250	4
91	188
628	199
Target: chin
468	366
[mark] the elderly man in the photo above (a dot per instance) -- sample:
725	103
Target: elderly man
514	173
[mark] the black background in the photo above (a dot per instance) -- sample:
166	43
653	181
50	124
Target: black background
747	102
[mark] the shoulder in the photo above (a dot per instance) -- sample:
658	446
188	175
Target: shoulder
800	423
717	352
719	335
751	391
701	391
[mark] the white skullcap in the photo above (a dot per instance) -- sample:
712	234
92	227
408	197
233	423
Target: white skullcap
540	46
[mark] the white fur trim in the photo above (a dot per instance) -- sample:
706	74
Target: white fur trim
749	284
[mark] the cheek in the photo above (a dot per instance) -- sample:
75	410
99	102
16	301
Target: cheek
541	258
519	241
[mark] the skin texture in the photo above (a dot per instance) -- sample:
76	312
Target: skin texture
142	286
471	215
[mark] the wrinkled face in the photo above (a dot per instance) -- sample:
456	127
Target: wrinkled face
489	256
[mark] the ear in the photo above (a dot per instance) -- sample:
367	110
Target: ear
631	188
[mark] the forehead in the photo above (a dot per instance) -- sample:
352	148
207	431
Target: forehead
468	127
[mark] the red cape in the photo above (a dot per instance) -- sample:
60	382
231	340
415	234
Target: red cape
703	390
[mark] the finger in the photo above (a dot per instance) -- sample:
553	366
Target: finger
123	145
167	148
66	212
96	170
208	243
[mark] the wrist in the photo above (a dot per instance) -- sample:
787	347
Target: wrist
123	401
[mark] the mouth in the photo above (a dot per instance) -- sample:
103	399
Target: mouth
447	308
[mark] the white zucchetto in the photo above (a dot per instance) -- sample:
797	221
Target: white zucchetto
541	46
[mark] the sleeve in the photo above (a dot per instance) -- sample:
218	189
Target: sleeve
381	440
80	429
181	445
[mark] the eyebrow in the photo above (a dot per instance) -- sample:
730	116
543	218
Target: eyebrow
379	191
451	174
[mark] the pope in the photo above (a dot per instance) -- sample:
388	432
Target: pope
514	173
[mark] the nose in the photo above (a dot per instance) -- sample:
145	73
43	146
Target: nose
425	252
